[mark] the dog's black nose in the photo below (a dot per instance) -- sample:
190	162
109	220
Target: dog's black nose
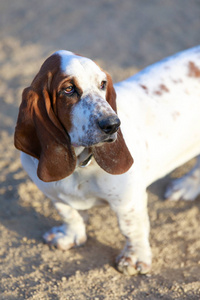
110	124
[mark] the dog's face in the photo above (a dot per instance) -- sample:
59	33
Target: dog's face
70	103
81	102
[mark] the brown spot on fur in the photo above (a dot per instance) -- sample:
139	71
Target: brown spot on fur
177	80
164	88
161	89
128	222
159	93
175	115
194	71
144	87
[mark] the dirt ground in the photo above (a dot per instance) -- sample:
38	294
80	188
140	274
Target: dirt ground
122	36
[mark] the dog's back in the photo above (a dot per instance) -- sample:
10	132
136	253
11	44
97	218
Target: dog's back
159	109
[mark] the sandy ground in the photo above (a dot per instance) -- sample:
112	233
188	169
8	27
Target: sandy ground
122	36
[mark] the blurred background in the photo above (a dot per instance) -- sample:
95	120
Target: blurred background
126	33
123	36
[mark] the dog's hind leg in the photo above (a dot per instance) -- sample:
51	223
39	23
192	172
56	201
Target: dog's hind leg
186	187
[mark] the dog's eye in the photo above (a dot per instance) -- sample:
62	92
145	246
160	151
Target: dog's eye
69	89
103	85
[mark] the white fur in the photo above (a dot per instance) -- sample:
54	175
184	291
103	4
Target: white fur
88	74
160	120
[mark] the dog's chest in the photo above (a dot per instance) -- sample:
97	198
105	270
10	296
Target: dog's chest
87	187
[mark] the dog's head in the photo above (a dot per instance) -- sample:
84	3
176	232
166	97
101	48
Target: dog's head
70	103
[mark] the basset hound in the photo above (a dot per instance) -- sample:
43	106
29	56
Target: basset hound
74	149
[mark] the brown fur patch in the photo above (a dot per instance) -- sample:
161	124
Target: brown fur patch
39	132
64	102
144	87
193	71
161	89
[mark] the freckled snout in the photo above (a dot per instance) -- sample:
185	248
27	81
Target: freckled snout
110	124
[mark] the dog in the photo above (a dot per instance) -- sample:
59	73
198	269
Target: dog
84	141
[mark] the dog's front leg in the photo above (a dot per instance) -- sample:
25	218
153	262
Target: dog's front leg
134	225
72	233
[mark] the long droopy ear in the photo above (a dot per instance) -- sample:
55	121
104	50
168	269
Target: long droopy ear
115	157
39	133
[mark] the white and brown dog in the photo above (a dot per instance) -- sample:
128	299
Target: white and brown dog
75	152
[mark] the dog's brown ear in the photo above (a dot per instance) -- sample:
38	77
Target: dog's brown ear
115	157
39	133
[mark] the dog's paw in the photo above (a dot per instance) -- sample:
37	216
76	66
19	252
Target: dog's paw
184	188
129	264
63	237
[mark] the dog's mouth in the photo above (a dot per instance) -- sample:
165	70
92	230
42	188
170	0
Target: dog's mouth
96	143
110	140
